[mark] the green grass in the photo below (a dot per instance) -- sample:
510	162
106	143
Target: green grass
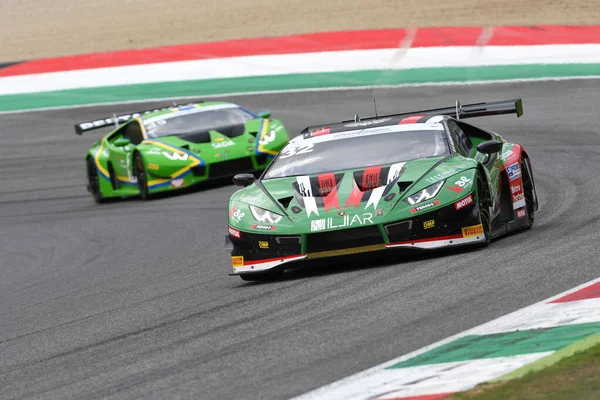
576	377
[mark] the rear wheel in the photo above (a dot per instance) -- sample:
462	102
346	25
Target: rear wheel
485	203
528	191
94	181
262	276
140	174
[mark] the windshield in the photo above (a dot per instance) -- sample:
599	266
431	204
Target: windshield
314	157
198	120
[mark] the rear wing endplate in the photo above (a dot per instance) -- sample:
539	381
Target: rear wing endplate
116	120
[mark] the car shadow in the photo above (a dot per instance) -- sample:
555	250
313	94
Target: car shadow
407	258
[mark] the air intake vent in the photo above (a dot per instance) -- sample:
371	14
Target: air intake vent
285	202
403	186
289	240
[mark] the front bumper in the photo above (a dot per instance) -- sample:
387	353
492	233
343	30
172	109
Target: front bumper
445	227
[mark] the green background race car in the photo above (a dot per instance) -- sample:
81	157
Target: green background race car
178	146
419	180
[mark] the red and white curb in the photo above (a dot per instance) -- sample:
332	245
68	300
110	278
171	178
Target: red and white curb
573	315
391	49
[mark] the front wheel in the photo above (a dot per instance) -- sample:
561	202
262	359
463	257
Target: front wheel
94	181
484	202
528	191
140	174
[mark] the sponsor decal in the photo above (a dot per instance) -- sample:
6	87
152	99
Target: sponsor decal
344	222
411	120
471	231
175	156
220	145
429	224
328	190
177	182
236	214
296	209
506	154
320	131
252	199
379	212
264	227
467	201
263	244
515	188
152	166
518	197
305	189
371	179
237	261
442	175
424	206
219	139
514	171
234	232
268	138
521	213
367	123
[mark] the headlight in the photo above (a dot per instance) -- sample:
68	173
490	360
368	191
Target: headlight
426	194
262	215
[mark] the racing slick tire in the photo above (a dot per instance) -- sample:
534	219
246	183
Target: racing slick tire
262	276
528	190
484	201
141	175
94	181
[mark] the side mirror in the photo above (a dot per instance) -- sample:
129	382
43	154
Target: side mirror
264	114
490	146
121	142
243	180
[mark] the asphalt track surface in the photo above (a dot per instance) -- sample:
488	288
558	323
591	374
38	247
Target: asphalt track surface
132	299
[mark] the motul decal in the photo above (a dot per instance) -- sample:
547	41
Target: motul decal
371	178
306	192
467	201
355	196
234	232
328	188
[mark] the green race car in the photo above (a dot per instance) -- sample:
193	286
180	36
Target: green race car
178	146
419	180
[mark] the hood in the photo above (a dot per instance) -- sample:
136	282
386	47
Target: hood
374	189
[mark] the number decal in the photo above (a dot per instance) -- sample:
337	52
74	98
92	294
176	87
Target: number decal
268	138
175	156
294	151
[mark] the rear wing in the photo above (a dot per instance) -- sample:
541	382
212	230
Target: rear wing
458	111
116	120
